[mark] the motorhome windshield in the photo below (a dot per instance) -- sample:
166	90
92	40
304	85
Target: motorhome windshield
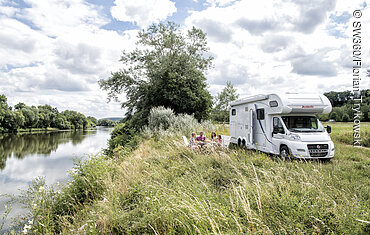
302	124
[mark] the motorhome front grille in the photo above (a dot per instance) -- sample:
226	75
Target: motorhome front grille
318	150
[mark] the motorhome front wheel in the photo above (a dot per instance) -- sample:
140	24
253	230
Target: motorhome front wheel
284	152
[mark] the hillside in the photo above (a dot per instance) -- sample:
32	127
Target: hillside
163	187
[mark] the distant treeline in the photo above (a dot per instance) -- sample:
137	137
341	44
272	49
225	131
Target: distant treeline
42	116
342	103
108	121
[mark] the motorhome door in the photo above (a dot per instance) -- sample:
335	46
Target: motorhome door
250	128
278	134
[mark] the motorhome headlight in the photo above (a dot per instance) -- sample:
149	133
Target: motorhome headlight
294	137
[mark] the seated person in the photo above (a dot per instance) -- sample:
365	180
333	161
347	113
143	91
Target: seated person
201	137
213	137
193	141
219	140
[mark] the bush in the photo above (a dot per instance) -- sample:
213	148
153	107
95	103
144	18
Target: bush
123	135
346	118
163	121
160	118
50	207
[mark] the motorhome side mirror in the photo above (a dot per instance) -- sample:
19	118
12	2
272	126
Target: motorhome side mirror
328	129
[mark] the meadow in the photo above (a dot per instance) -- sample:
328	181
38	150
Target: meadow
163	187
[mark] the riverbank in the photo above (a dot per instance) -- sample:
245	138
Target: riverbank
37	130
163	187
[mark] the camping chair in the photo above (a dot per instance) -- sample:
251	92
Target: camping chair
225	141
186	142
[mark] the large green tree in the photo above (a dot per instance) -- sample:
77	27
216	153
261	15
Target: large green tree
166	69
222	100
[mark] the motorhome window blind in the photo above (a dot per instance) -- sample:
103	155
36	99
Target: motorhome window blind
260	114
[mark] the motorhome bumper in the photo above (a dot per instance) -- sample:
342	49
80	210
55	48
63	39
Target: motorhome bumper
312	150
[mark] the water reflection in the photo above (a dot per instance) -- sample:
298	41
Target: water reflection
22	145
50	155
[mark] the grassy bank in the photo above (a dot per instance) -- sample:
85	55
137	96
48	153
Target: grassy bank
37	130
162	187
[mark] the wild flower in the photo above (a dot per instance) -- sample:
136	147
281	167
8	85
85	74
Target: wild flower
26	228
41	189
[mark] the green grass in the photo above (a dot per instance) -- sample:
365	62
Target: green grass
165	188
343	132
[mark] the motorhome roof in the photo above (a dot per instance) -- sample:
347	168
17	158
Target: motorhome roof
249	99
291	103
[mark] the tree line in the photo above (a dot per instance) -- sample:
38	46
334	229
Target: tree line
342	103
42	116
107	122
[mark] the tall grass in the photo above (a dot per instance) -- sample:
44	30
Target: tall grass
344	133
163	187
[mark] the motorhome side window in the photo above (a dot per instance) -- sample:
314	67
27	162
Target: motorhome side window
233	112
260	114
273	103
278	125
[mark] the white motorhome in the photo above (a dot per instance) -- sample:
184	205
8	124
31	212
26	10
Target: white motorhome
283	124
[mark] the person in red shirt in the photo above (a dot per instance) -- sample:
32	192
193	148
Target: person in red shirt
201	137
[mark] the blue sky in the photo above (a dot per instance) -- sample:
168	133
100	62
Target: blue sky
54	51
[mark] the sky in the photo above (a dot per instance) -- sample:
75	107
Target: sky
55	51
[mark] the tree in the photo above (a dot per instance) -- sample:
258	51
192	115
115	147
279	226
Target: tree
32	116
91	121
4	111
346	118
19	106
222	100
106	122
334	116
167	69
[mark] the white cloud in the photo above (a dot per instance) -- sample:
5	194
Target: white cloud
8	11
280	45
82	58
56	51
19	44
220	3
142	12
57	17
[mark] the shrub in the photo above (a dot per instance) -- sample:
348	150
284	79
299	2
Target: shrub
50	206
160	118
123	135
163	121
345	118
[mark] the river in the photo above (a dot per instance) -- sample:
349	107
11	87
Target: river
24	157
